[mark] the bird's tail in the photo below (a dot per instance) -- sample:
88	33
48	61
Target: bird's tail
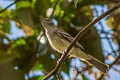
98	64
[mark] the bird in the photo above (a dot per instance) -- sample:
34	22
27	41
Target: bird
59	40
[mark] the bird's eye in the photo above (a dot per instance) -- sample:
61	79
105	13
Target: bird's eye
47	20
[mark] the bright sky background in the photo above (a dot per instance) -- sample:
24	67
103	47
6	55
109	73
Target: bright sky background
16	32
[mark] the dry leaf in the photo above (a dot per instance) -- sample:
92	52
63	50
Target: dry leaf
95	76
90	71
28	30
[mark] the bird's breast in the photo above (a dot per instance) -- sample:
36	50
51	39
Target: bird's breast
57	43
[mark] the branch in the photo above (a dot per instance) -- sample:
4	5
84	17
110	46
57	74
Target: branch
58	76
83	70
34	57
110	66
9	6
54	8
78	36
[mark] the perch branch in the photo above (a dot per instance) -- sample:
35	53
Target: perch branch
9	6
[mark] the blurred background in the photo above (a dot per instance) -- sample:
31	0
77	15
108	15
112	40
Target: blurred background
25	53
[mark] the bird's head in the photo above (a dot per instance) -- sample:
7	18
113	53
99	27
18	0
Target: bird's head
47	23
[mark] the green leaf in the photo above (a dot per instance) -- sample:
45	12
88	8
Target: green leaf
39	67
41	6
41	77
5	26
52	1
23	4
19	42
13	14
25	16
5	22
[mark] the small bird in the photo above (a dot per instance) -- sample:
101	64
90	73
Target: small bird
60	40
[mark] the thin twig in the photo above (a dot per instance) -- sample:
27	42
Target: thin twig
9	6
54	8
34	57
75	73
83	70
110	66
79	35
58	76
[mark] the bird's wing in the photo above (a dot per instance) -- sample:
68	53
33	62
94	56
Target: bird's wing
68	37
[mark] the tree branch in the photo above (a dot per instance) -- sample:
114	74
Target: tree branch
110	66
58	76
9	6
78	36
54	8
83	70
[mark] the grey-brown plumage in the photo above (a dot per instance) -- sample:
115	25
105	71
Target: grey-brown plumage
60	40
